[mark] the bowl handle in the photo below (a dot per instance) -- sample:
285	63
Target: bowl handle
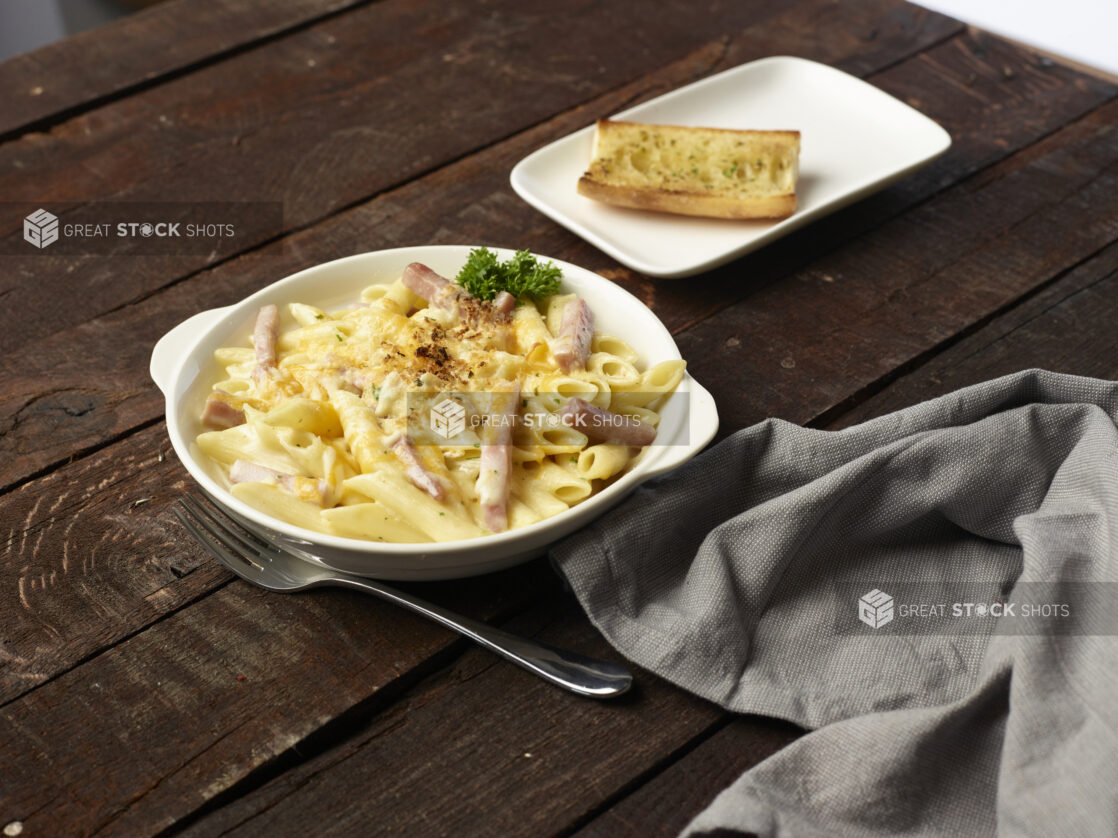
168	352
703	425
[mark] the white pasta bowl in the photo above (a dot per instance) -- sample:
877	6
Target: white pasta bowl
183	366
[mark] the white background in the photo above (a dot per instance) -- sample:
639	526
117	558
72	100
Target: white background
1084	31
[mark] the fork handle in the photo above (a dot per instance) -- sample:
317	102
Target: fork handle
570	670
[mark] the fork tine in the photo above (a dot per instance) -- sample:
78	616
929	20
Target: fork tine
255	536
214	521
217	546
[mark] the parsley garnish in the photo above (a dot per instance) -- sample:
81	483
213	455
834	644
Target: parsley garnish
522	275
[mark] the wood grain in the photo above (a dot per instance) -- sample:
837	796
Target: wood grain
72	393
196	703
82	70
541	761
90	556
1066	327
319	119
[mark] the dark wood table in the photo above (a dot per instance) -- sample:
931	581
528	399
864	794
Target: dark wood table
144	691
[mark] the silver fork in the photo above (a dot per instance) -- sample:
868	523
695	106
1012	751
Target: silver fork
256	557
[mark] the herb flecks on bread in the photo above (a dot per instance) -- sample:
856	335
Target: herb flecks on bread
712	172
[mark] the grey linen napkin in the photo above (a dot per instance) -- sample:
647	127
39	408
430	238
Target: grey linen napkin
738	577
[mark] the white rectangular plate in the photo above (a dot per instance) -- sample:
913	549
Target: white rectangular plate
855	140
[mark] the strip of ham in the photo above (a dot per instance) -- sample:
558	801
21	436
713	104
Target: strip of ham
219	414
435	288
503	305
441	293
413	469
264	341
305	488
496	457
606	426
571	347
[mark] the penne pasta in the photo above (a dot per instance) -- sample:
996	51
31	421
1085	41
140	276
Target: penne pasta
423	414
603	461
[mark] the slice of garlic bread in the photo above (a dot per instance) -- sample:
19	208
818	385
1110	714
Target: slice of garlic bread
711	172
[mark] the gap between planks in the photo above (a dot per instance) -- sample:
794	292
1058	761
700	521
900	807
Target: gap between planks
64	114
852	403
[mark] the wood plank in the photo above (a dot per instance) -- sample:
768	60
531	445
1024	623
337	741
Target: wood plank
807	346
203	698
51	405
78	72
1078	66
1066	327
526	759
665	804
90	555
318	119
45	662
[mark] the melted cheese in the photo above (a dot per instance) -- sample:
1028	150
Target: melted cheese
340	396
